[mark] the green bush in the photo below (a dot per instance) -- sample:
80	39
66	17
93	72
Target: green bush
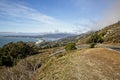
70	46
95	38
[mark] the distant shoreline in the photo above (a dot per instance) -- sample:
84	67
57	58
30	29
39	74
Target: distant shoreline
6	39
24	36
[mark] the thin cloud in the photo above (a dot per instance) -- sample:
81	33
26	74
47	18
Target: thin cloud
15	10
30	19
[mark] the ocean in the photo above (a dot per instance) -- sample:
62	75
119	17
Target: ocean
5	40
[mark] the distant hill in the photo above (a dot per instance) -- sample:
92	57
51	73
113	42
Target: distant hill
57	35
47	35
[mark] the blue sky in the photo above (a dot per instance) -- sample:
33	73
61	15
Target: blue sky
39	16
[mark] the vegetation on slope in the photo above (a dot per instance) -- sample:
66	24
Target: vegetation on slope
25	69
12	52
111	33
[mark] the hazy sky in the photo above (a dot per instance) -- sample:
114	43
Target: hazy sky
75	16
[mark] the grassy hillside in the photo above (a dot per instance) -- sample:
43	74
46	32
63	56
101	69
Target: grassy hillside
109	34
26	68
87	64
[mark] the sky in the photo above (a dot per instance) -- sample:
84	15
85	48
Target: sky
53	16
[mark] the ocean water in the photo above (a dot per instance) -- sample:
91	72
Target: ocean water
5	40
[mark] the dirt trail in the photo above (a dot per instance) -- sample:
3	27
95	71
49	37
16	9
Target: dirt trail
96	64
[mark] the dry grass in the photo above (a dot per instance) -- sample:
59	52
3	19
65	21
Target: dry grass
89	64
86	64
98	64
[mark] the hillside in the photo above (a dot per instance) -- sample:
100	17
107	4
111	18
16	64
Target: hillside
111	33
81	64
26	68
87	64
65	40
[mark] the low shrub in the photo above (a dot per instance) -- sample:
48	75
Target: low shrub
70	46
92	45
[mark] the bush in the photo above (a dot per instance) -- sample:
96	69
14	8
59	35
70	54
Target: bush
70	46
95	38
7	60
92	45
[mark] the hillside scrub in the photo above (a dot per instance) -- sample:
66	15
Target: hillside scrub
12	52
25	69
111	34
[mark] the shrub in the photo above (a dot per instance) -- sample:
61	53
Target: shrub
95	38
92	45
7	60
70	46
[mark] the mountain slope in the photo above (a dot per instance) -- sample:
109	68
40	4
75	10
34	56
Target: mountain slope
111	33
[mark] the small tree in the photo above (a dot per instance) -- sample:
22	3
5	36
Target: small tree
70	46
